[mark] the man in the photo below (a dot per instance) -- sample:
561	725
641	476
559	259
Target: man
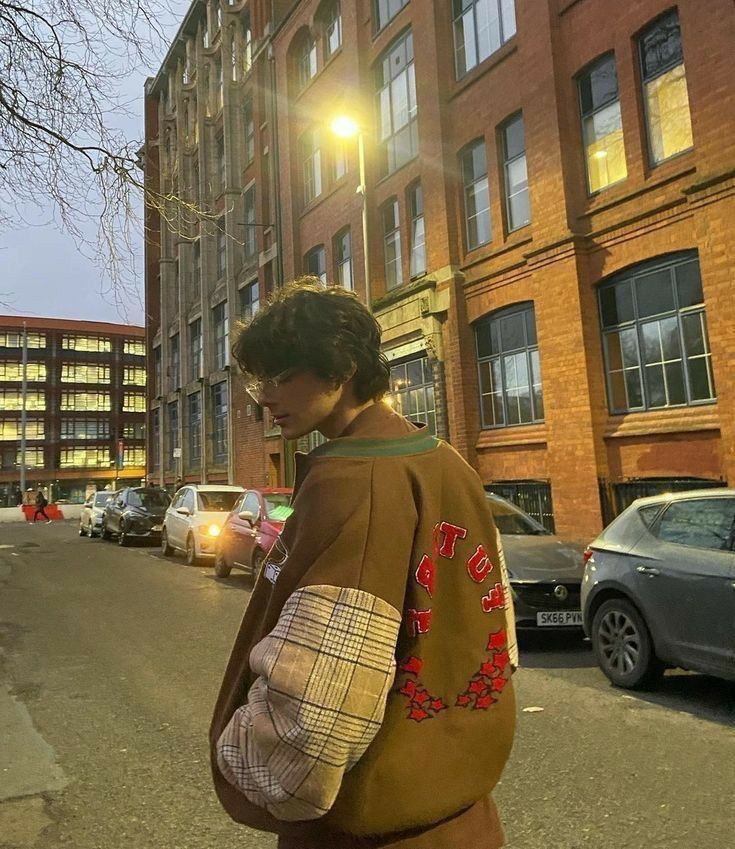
41	503
368	699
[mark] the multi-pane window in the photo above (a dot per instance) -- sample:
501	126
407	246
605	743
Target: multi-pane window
517	205
392	244
654	331
173	432
155	444
134	346
311	165
86	343
343	258
386	10
33	458
133	456
339	160
412	391
509	368
219	415
133	402
249	122
476	195
315	263
174	350
480	28
12	399
157	370
85	429
249	301
250	242
84	457
220	321
418	235
10	339
221	247
84	373
10	429
134	430
602	125
134	376
306	61
333	28
247	45
665	89
13	370
395	84
195	348
194	415
85	402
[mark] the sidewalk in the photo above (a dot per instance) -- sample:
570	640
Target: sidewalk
65	511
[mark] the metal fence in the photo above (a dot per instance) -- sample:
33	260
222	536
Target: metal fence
532	496
615	497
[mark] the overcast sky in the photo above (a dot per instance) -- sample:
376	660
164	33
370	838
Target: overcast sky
42	273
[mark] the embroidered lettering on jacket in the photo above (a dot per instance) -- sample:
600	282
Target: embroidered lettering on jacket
418	621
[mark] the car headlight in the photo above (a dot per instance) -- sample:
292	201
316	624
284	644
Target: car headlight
213	530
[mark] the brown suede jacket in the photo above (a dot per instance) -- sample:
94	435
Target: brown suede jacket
368	699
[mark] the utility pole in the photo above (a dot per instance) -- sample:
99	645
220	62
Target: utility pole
24	393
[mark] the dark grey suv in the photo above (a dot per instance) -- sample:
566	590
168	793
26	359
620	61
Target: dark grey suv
659	588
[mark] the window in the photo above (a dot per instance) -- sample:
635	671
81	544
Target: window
133	456
315	263
134	430
134	346
343	258
15	340
195	348
194	403
10	429
84	373
33	459
392	245
509	368
155	444
220	319
157	370
412	391
311	165
249	300
418	237
85	429
86	343
84	457
306	61
517	206
13	371
85	401
221	168
476	195
480	28
247	111
173	432
397	109
219	92
250	245
386	10
333	29
219	434
339	159
133	402
654	332
665	89
134	376
12	399
701	523
247	45
602	125
175	361
221	247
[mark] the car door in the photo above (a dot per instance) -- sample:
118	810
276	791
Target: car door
180	522
172	517
686	579
115	509
246	531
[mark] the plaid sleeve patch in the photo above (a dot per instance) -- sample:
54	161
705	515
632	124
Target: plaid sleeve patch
324	673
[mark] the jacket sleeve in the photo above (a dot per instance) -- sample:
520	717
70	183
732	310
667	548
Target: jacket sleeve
325	670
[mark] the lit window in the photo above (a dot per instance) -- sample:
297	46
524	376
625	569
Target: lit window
665	89
247	45
395	84
412	391
517	205
84	373
134	346
392	245
418	237
315	263
10	429
12	399
249	301
84	457
15	340
333	29
13	371
133	402
480	28
86	343
476	195
134	456
311	165
306	65
602	125
133	376
85	429
33	458
343	258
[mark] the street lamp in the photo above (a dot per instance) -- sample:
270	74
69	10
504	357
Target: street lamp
346	127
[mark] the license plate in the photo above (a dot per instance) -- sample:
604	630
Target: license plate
157	528
557	618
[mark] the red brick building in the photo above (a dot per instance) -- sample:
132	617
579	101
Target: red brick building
548	188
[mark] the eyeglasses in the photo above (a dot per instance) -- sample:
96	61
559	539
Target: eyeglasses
257	388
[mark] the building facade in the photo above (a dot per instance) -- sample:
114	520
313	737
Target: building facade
544	190
85	406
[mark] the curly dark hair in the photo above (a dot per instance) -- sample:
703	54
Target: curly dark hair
322	328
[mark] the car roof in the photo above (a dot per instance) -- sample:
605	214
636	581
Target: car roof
685	495
213	487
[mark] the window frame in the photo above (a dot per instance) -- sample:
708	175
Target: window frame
221	334
465	154
502	7
507	162
414	191
393	235
381	24
316	251
387	147
342	260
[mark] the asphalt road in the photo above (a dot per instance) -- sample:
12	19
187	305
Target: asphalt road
111	659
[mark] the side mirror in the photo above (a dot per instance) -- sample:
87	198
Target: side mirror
247	516
183	511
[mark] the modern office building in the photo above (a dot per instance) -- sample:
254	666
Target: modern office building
85	406
545	191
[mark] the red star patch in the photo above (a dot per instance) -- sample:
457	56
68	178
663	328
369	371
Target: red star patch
418	714
412	665
478	687
488	669
409	689
438	705
497	640
421	697
463	700
483	702
498	683
501	658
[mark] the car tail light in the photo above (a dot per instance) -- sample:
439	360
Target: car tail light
587	555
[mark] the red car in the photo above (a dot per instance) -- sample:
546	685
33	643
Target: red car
250	530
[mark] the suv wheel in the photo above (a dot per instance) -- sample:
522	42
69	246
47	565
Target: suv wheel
166	549
191	551
221	567
623	645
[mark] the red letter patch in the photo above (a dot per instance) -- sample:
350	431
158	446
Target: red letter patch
494	599
451	534
425	574
479	565
418	621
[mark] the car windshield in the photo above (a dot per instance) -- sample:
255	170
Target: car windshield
102	498
148	499
511	520
277	506
217	501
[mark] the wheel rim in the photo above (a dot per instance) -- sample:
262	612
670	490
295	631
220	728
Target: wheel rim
620	642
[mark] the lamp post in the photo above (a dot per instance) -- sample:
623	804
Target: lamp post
346	127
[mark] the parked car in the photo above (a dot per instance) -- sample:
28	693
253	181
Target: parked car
135	512
250	530
659	588
93	510
194	520
545	572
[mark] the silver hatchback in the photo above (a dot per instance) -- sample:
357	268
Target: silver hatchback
659	588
